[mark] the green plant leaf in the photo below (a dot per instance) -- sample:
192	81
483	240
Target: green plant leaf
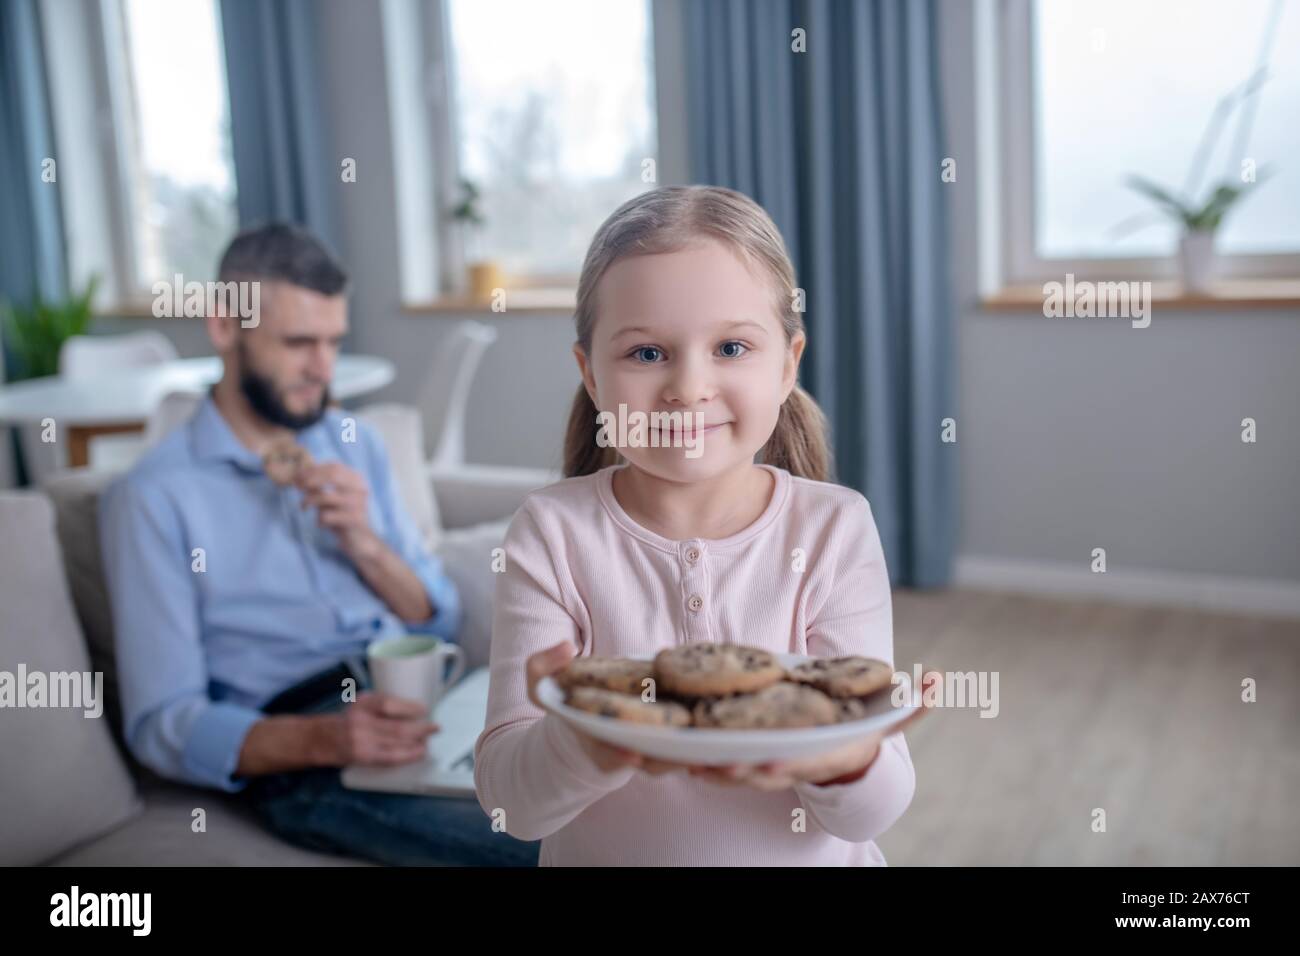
467	211
1161	196
38	330
1221	201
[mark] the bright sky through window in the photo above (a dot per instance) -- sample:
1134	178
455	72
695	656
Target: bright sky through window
555	120
1125	87
185	186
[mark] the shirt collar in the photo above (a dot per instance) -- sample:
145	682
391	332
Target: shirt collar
213	440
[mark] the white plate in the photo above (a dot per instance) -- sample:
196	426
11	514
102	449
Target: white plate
709	746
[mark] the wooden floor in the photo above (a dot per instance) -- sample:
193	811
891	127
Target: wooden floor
1133	710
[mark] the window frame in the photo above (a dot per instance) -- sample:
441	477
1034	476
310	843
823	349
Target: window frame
436	123
1006	92
101	231
88	148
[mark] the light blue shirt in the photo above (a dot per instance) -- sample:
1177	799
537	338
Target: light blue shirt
206	637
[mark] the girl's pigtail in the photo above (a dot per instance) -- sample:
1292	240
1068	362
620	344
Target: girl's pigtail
582	455
798	443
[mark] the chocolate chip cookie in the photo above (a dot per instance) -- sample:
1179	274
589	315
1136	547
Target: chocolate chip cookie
849	708
780	705
619	674
842	677
608	703
715	670
283	460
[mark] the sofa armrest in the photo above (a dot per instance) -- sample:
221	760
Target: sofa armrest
472	494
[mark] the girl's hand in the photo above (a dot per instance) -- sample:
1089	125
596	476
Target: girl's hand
842	765
606	756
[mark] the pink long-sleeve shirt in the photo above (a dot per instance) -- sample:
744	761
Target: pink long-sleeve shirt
807	577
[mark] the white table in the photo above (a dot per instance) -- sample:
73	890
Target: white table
122	400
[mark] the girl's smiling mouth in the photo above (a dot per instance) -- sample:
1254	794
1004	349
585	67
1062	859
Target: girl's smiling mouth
690	432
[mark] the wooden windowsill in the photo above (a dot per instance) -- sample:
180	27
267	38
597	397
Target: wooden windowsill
129	309
1169	295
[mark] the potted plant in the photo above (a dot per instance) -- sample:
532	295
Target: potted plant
1200	219
37	332
484	274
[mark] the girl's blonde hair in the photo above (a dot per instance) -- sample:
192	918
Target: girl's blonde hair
666	220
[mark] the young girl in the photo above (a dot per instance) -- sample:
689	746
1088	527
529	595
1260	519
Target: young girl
686	304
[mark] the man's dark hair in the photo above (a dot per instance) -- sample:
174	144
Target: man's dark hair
285	252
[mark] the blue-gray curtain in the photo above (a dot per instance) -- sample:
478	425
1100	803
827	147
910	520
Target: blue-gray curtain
32	260
31	225
841	144
285	168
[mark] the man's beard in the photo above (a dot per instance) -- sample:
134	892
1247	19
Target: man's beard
262	395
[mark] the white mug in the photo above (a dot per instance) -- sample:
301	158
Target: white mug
414	667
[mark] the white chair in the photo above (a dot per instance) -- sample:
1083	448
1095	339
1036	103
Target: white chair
120	452
176	408
401	430
83	356
474	493
444	395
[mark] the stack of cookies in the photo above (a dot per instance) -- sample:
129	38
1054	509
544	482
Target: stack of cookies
724	686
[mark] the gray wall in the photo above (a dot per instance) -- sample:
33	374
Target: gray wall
1084	433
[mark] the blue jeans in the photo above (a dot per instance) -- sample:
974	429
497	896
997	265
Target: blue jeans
312	808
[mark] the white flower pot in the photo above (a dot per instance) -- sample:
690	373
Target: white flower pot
1196	257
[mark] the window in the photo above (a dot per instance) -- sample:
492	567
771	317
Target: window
551	122
1095	91
141	116
175	112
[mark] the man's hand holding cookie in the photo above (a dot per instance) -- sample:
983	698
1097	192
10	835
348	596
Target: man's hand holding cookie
340	496
339	493
283	459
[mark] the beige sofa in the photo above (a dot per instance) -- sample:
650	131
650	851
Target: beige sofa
72	794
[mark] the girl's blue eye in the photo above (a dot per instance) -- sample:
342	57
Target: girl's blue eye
640	353
733	345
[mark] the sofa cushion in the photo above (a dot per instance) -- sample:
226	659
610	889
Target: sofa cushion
402	432
64	780
164	836
466	555
76	506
